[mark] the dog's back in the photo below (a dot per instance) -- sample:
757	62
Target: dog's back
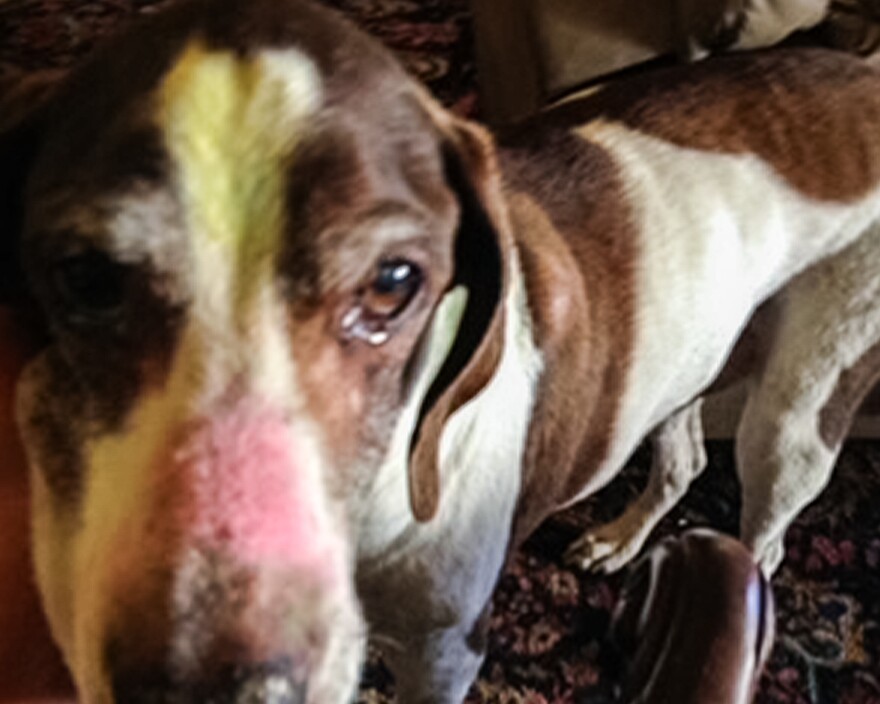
698	194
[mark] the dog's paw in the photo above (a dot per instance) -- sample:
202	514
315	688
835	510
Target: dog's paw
604	549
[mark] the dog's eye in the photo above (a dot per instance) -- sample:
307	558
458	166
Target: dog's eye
91	287
393	288
395	285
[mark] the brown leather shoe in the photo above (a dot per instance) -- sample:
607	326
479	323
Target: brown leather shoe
695	623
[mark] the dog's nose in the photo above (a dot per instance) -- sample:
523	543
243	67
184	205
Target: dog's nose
234	685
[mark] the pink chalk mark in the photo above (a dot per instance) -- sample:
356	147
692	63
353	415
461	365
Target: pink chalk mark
247	493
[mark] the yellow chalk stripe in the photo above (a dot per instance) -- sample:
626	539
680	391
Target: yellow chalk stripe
231	124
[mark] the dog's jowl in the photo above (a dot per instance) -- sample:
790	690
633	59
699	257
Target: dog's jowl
319	354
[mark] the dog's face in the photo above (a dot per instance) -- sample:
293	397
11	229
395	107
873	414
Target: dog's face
247	232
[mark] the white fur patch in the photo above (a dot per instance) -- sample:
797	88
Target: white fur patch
769	21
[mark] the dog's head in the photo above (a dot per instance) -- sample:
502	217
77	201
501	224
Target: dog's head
258	251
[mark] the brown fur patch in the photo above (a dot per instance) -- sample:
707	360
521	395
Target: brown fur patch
578	248
811	114
354	416
852	387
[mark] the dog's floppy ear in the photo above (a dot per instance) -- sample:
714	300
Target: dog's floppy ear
482	244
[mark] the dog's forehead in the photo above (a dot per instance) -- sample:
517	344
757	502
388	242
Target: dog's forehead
250	120
109	123
230	124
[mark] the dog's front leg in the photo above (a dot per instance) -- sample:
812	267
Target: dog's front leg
679	456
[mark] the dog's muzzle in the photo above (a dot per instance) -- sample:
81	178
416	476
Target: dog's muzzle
253	684
239	590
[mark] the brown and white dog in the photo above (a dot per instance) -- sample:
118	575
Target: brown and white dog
320	354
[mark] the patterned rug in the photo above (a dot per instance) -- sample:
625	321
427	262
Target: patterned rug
547	642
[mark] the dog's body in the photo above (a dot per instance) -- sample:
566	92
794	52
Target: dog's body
351	351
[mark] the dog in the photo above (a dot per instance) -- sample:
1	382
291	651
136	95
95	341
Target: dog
319	354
